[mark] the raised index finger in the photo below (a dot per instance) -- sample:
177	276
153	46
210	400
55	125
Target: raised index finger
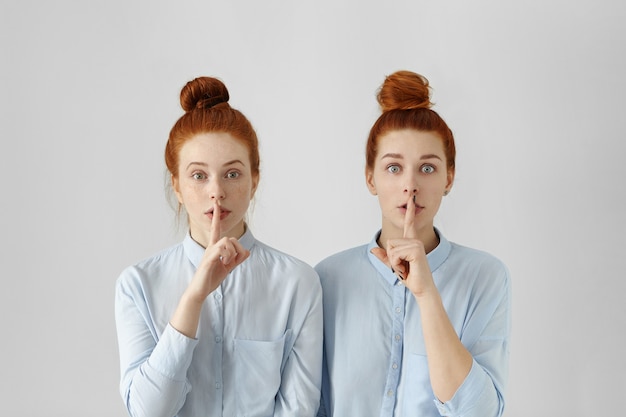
409	219
215	223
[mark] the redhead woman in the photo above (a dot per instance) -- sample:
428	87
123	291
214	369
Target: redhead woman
219	324
414	324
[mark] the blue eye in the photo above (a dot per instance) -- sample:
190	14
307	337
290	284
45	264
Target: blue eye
428	169
394	169
232	175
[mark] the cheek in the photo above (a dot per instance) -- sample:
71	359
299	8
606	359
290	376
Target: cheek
387	199
389	187
190	189
239	190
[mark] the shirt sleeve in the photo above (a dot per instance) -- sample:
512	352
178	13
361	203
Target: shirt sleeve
482	392
299	392
153	367
321	412
477	396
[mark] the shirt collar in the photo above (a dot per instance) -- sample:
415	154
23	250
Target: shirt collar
382	269
435	258
195	251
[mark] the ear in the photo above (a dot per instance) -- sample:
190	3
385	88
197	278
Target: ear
369	180
176	188
255	184
450	180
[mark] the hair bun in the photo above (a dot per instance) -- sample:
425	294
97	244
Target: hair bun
203	93
404	90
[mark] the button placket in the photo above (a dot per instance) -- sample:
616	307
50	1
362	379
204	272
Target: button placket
397	345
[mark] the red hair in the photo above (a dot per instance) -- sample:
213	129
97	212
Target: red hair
205	101
404	98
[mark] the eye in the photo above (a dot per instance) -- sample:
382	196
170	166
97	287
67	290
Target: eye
232	175
198	176
428	169
393	169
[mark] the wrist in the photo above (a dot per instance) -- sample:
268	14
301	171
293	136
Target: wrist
427	295
192	299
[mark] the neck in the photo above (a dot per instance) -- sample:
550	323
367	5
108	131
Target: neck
427	236
203	240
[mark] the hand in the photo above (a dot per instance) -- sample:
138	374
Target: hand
407	256
221	256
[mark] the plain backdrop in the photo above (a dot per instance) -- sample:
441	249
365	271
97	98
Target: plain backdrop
534	91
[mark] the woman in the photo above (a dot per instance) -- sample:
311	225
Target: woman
219	324
414	325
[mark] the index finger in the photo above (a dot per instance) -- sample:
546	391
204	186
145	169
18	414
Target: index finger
409	219
215	223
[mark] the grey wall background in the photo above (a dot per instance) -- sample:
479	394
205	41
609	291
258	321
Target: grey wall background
533	90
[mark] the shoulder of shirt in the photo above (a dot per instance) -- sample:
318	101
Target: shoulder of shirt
342	257
467	255
144	266
270	255
472	253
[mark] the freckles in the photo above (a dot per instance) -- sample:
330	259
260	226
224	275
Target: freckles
242	188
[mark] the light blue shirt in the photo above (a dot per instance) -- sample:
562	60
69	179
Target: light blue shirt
258	350
374	355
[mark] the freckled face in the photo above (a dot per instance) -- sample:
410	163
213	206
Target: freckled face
214	166
409	162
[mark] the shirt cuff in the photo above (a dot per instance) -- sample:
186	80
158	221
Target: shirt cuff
173	353
467	394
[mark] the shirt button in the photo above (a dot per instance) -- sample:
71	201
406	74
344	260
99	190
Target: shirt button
390	393
218	339
394	366
397	338
398	310
218	385
218	296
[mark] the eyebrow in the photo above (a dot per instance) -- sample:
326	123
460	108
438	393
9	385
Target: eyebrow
203	164
399	156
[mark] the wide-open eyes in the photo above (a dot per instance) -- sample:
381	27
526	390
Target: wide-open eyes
427	169
231	175
424	169
393	169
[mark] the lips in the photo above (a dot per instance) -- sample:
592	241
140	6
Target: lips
418	208
223	213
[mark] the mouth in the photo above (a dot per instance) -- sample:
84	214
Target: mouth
223	213
417	207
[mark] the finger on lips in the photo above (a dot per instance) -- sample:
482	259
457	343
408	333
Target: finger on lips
215	222
409	217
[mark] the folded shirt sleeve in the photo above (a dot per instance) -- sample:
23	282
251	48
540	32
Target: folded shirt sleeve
153	370
476	397
482	392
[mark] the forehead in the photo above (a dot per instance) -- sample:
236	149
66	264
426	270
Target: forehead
214	148
410	143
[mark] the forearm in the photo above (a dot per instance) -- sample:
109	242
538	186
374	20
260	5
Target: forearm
449	362
159	386
154	395
186	317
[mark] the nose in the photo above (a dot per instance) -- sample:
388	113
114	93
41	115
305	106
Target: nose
411	187
216	191
411	181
